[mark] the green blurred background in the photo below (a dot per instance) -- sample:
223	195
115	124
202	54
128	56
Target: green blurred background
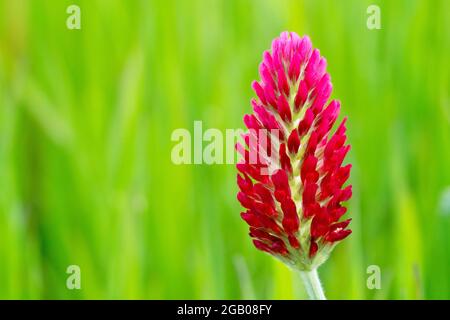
86	118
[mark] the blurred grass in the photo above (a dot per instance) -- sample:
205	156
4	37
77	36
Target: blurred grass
85	124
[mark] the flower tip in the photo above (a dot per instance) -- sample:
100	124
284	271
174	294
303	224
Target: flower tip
306	39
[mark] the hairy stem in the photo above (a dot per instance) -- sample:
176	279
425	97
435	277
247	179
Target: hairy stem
312	284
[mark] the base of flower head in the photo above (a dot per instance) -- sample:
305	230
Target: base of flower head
308	255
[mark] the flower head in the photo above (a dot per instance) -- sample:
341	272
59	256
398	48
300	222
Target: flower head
291	177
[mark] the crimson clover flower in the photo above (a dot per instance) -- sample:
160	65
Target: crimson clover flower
291	176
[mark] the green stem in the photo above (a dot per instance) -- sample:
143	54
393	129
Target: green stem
312	284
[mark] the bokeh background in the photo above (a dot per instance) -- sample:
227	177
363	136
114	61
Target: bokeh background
86	118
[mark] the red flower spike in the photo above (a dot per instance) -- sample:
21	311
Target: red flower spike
293	241
294	67
308	170
245	201
290	216
313	249
251	219
305	123
280	179
294	192
301	96
285	161
245	184
337	235
259	91
282	81
340	225
283	108
263	194
262	246
293	142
